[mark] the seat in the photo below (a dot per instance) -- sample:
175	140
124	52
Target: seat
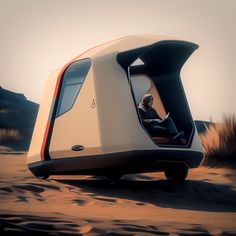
167	140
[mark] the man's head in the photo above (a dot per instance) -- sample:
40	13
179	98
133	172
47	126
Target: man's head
147	100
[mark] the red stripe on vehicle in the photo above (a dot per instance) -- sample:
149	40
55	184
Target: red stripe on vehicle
44	140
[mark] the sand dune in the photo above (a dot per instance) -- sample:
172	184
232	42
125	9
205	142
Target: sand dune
142	204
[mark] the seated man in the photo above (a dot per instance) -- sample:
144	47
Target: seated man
152	121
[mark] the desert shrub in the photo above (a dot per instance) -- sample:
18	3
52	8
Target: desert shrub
219	140
9	135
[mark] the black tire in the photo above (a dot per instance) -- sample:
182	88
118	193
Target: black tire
112	178
44	177
176	173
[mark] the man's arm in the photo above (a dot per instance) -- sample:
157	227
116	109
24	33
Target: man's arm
145	121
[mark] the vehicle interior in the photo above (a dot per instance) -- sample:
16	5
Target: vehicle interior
155	69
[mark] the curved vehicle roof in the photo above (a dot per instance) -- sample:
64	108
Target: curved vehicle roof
123	44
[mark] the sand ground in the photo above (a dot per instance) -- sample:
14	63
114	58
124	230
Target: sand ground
142	204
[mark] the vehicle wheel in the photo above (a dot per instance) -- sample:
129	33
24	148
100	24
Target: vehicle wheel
44	177
112	178
177	173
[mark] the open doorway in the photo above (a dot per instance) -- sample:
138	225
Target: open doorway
141	85
160	64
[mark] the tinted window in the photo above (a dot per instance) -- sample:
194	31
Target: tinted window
72	81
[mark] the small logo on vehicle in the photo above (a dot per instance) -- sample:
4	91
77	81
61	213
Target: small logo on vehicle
93	105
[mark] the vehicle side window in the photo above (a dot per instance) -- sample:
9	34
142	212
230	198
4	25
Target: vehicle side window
72	81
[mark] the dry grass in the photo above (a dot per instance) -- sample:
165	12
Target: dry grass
219	140
9	135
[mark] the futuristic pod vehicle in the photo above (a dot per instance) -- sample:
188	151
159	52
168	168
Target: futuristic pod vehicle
88	121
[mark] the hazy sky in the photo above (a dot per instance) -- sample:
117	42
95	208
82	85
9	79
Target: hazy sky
38	36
